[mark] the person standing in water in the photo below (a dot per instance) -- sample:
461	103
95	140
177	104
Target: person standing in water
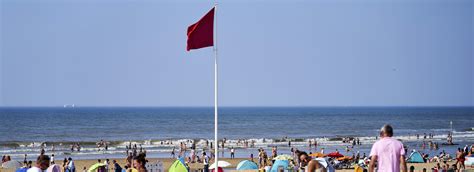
172	153
232	153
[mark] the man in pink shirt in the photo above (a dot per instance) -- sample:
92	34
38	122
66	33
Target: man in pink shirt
387	152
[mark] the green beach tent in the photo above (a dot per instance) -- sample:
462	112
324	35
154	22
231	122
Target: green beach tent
94	167
177	166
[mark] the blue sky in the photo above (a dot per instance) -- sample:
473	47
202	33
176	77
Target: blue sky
272	53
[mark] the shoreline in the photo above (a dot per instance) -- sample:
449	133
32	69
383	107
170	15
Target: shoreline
161	149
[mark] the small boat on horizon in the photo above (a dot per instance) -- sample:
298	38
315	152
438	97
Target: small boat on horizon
67	105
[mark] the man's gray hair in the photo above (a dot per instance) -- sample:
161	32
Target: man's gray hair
387	130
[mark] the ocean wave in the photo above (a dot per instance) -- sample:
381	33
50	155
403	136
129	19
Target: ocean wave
18	149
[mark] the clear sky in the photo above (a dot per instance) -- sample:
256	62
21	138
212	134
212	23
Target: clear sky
272	53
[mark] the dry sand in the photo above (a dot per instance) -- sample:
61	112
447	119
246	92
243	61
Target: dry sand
80	164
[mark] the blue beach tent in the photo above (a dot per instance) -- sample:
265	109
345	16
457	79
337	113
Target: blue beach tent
247	165
279	163
415	157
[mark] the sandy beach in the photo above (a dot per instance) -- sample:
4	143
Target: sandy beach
80	164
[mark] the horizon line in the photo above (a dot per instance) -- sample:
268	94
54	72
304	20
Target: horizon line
268	106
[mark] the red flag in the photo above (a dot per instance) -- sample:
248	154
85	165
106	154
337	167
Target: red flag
200	34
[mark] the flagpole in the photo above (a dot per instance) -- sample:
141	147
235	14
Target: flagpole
216	146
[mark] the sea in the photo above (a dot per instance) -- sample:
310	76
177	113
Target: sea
159	129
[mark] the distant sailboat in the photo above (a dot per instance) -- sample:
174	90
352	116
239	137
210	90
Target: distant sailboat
67	105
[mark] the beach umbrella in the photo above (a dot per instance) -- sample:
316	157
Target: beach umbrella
12	164
317	154
344	158
221	164
218	169
94	167
283	157
246	165
177	166
54	168
334	155
279	163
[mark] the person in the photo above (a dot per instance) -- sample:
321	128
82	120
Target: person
193	155
412	168
454	167
460	157
205	162
129	160
437	167
387	152
101	168
139	163
71	166
232	153
65	169
265	158
472	150
274	152
172	153
84	169
117	166
42	163
52	159
106	163
310	164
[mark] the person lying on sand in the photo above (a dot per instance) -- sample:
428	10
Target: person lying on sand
310	164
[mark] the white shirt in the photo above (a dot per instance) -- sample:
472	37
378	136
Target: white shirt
71	165
34	169
206	160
